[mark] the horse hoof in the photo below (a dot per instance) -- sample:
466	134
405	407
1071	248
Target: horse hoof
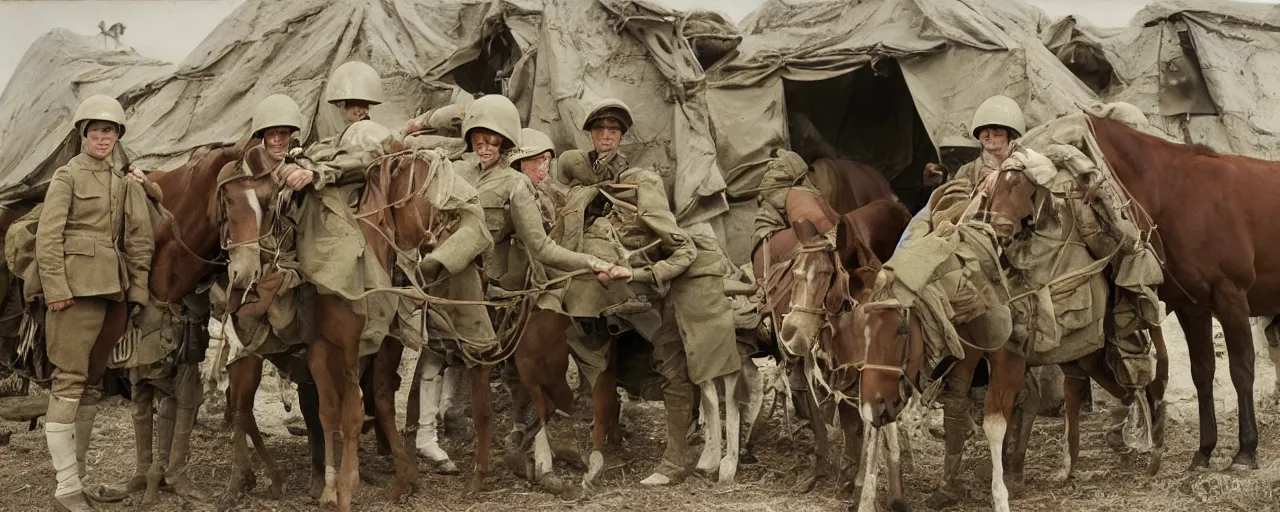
1244	462
899	505
297	430
553	484
748	457
398	492
317	487
1198	462
595	463
656	479
445	467
1063	475
941	499
277	490
1153	465
477	483
728	471
328	498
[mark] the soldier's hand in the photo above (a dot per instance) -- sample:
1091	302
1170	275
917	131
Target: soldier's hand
287	170
61	305
136	175
300	178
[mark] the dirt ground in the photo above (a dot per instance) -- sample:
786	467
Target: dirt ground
1106	479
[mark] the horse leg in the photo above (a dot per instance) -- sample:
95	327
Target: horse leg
385	365
309	404
807	408
1074	382
897	502
325	364
1155	399
482	417
732	429
243	377
1026	408
956	425
352	411
1231	306
1007	371
712	448
605	409
851	424
871	465
754	383
1197	323
250	422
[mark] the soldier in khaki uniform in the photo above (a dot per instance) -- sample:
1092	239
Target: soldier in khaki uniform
997	124
94	244
695	342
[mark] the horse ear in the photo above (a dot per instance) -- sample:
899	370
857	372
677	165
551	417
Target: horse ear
862	278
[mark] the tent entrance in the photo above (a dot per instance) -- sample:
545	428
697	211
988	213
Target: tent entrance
868	116
489	73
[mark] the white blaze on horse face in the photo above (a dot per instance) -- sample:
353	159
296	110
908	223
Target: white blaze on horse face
994	426
252	196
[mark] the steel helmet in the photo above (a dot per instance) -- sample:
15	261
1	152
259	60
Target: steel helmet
99	107
495	113
276	110
999	111
535	143
363	136
958	141
606	108
354	80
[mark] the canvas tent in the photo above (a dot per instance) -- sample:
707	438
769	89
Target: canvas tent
57	72
266	47
554	58
1203	72
884	82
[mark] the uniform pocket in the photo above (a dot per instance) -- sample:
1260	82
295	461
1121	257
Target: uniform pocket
78	246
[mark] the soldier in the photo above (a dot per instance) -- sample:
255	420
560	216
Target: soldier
94	244
787	172
354	87
997	124
695	341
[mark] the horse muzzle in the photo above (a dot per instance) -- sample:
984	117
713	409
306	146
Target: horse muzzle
799	329
243	268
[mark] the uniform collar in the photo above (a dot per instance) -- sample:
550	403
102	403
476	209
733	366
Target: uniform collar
84	161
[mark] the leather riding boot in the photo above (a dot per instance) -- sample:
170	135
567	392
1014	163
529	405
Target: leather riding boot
143	409
678	401
164	429
175	474
69	494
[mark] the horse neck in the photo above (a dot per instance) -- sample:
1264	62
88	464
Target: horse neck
1142	174
188	192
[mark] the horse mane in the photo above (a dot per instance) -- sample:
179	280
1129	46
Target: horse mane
1112	126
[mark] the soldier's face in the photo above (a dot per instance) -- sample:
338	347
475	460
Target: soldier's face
101	139
605	135
355	110
994	140
488	146
276	140
536	167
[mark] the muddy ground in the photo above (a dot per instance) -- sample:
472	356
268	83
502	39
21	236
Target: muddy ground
1106	479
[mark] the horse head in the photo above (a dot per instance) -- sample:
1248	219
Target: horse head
894	352
1013	205
247	208
814	270
410	213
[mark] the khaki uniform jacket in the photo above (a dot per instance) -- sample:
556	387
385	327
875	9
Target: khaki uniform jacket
515	219
651	219
95	237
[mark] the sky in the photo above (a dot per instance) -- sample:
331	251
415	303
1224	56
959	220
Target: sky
169	29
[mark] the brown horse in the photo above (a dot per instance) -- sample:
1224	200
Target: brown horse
846	186
1013	205
1210	217
821	308
248	203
